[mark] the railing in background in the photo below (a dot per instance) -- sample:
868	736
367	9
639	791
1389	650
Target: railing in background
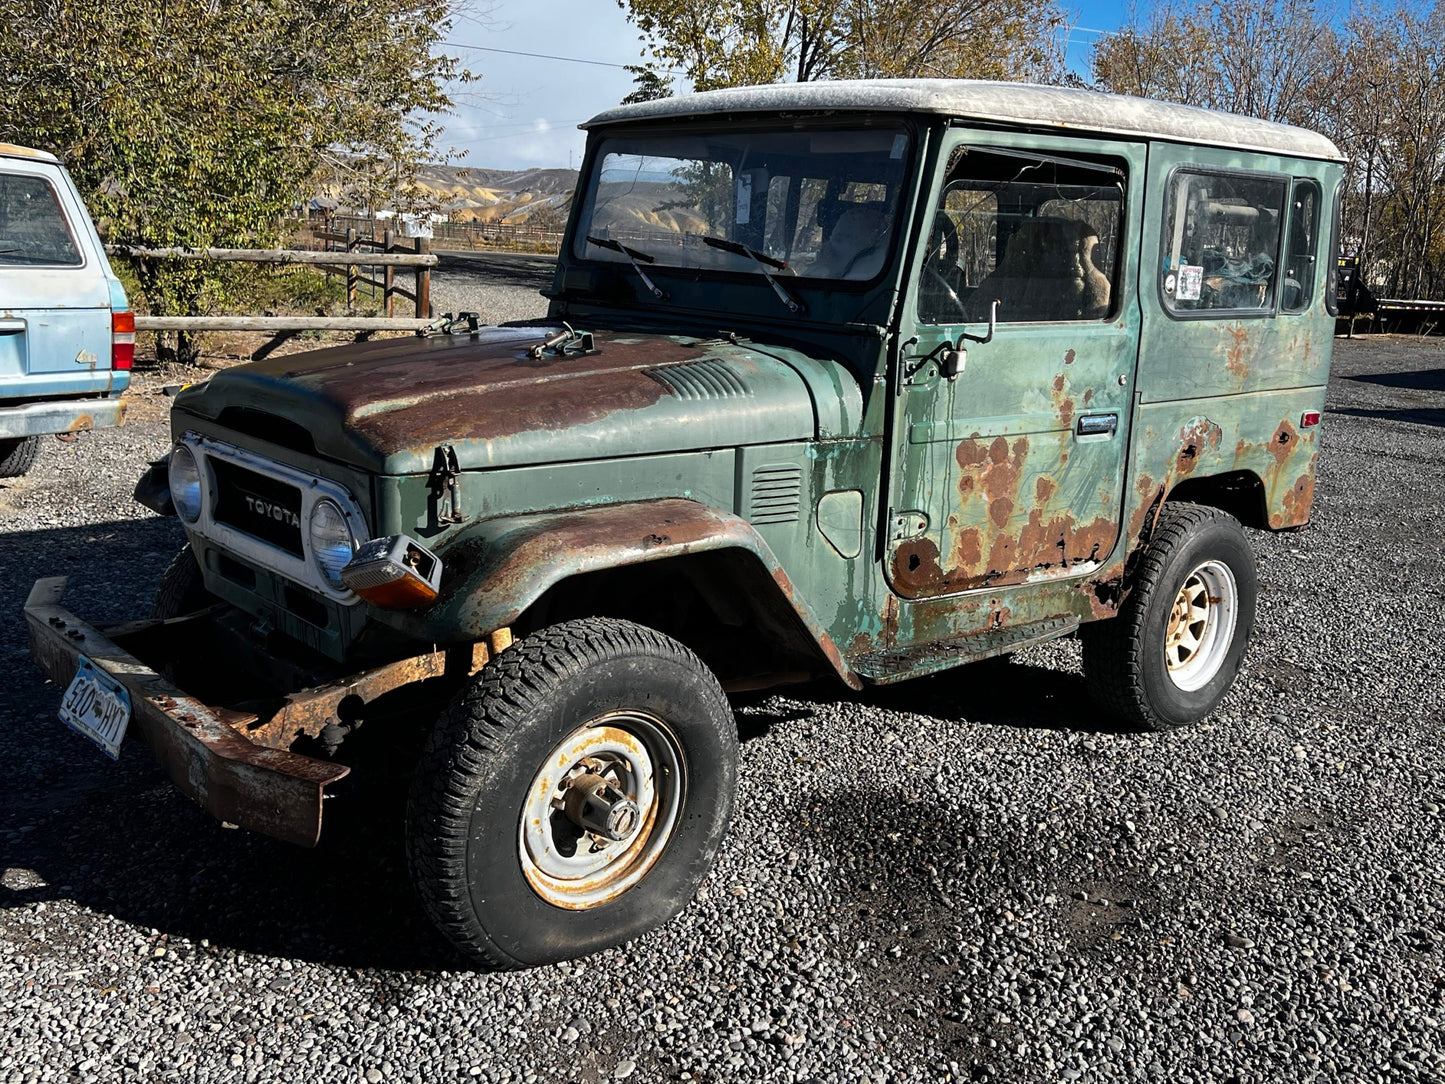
388	260
524	237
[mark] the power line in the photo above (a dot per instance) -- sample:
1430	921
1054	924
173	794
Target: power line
550	56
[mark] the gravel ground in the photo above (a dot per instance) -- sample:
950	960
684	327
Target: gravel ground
972	877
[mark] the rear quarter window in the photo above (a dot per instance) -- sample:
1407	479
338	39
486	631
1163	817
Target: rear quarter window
33	228
1222	242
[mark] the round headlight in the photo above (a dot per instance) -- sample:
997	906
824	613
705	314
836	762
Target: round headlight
332	543
184	476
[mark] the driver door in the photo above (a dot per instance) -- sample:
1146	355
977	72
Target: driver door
1008	457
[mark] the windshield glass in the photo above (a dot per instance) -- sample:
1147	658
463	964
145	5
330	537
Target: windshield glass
823	203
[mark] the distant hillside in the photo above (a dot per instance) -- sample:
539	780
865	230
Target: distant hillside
499	195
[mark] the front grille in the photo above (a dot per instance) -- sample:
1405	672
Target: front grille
265	508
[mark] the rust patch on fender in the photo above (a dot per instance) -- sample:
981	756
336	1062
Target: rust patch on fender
1045	488
1069	356
1195	439
1283	443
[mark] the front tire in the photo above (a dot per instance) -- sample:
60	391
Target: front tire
182	590
573	796
1173	651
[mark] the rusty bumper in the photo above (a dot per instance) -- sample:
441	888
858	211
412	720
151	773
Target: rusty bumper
272	791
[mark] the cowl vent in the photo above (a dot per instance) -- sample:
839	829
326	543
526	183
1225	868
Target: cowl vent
706	379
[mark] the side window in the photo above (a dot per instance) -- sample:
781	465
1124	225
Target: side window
33	230
1301	262
1222	242
1040	236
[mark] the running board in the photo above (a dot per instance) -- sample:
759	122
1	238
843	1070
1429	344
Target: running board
896	665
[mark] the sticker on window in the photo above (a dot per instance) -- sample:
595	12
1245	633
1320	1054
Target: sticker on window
745	199
1191	281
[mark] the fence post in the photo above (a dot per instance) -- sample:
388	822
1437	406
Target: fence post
351	269
388	275
423	282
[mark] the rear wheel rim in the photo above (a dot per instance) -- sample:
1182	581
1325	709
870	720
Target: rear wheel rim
1199	630
572	868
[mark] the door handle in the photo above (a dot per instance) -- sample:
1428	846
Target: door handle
1094	424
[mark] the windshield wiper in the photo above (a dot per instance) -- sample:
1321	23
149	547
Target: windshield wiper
764	261
633	255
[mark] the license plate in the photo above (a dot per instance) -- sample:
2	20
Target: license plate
97	706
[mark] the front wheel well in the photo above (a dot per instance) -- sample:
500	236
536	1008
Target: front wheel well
1239	493
722	604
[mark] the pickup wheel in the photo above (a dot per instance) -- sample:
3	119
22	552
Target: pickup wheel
573	796
1173	651
18	455
182	591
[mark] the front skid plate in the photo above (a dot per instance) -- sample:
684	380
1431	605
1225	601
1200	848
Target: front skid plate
272	791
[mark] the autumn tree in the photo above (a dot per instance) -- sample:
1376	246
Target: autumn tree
744	42
203	122
1263	58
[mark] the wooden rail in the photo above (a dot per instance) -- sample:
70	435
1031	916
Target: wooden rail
278	323
348	262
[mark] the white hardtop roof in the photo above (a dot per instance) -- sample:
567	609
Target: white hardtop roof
1029	104
11	150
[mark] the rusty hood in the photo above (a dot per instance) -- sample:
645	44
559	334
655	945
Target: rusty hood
386	406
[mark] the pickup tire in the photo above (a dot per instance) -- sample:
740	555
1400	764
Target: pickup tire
573	795
1173	651
182	591
18	455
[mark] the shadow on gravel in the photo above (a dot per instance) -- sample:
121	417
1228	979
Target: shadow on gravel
118	839
994	692
1415	416
1415	380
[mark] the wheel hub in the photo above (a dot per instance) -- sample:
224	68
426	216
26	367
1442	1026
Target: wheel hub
594	804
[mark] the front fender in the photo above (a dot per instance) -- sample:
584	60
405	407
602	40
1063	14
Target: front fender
502	566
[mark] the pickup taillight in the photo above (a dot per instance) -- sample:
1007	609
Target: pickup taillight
122	340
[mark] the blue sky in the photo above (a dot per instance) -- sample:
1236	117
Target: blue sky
526	108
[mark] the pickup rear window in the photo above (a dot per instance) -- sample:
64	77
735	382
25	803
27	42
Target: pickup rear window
33	229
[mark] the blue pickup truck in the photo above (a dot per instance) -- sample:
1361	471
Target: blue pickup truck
67	335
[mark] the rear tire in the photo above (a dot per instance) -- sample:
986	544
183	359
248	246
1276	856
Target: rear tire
18	455
498	854
182	591
1173	651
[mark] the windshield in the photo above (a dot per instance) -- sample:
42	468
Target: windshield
820	204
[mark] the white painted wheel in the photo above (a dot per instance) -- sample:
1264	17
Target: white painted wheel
601	809
1200	631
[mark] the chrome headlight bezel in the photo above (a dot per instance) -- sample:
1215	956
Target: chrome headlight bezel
183	477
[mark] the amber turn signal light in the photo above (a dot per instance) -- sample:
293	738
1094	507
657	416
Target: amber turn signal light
395	573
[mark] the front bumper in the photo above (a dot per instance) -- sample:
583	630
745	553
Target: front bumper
62	416
202	749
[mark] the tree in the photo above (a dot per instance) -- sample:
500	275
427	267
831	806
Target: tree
651	85
203	122
1263	58
744	42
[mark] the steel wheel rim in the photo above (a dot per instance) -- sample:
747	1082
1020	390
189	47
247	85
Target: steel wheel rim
571	868
1200	626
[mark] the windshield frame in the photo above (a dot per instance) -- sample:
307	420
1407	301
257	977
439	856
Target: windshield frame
605	141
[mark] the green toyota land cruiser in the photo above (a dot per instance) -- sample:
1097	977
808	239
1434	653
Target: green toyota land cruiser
865	380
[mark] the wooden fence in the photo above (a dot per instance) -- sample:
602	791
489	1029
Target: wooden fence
359	253
466	235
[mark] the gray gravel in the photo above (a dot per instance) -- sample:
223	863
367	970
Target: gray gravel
972	877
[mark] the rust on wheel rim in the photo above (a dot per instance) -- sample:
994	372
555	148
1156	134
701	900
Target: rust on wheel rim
630	764
1201	624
